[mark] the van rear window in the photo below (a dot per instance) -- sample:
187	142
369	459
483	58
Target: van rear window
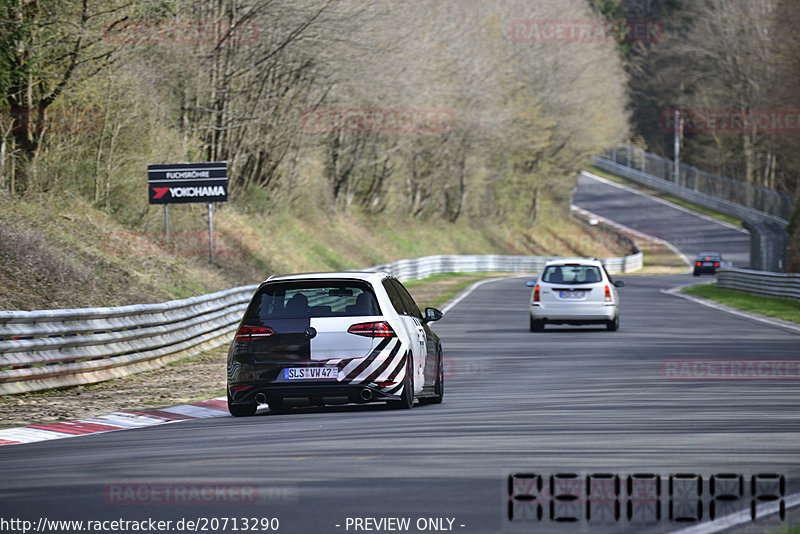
573	273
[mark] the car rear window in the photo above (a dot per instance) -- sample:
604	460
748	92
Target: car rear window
572	274
321	298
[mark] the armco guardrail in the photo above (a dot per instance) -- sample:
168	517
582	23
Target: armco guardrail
760	282
702	199
429	265
56	348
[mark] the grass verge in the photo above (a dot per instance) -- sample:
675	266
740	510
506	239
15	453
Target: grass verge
660	259
785	529
786	309
675	200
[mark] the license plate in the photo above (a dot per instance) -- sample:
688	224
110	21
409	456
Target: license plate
329	372
572	294
707	263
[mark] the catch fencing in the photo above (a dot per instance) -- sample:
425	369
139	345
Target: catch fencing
726	195
58	348
760	283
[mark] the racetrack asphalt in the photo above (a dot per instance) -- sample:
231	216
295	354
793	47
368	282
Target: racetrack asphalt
569	400
688	231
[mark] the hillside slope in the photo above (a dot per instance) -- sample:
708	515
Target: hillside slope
60	252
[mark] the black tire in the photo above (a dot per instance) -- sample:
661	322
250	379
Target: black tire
406	401
438	386
613	326
242	410
536	325
696	273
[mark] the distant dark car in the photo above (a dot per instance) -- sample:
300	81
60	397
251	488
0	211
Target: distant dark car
707	262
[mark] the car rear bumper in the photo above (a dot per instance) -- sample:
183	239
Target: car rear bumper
324	393
381	373
706	270
580	314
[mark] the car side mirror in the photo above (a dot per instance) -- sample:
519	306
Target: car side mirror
530	283
432	314
619	283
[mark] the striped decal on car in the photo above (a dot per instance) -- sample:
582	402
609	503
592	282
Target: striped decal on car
355	368
379	366
397	376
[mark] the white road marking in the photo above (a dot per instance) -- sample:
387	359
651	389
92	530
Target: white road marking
735	311
464	294
194	411
29	435
739	518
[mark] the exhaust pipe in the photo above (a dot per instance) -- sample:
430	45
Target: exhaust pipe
261	398
366	395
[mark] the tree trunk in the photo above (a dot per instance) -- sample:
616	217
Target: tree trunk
535	204
749	157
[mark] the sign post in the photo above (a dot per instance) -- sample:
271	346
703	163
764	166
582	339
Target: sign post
210	234
166	222
180	183
677	150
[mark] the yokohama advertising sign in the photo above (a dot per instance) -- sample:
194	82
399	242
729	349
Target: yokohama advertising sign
187	182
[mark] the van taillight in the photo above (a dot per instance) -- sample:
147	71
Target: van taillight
378	329
247	333
608	294
536	293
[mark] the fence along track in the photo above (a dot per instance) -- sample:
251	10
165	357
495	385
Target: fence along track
57	348
760	283
719	193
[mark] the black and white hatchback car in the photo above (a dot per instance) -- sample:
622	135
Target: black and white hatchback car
326	338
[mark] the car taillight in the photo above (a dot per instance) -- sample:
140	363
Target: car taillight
699	263
379	329
716	264
608	294
536	293
247	333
